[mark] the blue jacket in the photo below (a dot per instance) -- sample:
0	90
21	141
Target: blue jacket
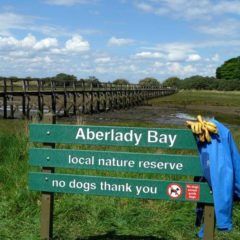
220	161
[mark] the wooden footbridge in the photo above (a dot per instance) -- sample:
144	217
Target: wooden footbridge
25	98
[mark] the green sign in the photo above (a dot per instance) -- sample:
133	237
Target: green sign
120	187
117	161
114	136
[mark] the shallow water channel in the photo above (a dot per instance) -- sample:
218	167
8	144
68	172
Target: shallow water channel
161	115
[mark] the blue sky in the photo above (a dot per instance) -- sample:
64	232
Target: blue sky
112	39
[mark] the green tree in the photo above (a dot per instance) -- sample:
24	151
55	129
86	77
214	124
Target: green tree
199	83
14	78
229	70
149	82
92	80
63	77
228	85
121	81
172	82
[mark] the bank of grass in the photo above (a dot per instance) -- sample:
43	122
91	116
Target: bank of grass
88	217
224	106
200	98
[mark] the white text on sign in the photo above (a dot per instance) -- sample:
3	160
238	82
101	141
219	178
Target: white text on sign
130	136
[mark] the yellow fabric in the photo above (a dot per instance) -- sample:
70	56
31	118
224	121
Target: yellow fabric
202	128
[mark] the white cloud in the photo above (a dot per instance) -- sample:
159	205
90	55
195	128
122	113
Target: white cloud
176	48
194	58
145	7
158	64
189	70
215	57
66	2
8	42
88	31
19	54
11	43
49	30
148	55
9	21
56	51
191	47
29	46
176	55
172	52
181	70
228	27
29	41
227	7
174	67
189	9
77	44
102	60
46	44
44	59
113	41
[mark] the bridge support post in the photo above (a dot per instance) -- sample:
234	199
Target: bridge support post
40	101
53	98
74	100
83	98
11	101
98	101
4	99
91	94
24	99
109	97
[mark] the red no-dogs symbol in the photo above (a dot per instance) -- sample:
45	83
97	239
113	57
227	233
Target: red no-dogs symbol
174	190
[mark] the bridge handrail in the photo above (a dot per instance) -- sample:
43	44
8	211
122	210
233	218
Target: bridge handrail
35	85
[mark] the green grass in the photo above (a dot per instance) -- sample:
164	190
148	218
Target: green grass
200	98
83	217
17	205
224	106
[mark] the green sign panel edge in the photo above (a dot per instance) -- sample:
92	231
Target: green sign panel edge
113	136
120	187
116	161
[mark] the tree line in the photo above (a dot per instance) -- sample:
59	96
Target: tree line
227	79
61	78
203	83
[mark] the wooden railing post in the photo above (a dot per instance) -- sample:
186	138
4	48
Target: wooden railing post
109	96
65	100
98	98
53	97
91	98
40	100
47	199
11	100
24	99
74	99
83	97
4	98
